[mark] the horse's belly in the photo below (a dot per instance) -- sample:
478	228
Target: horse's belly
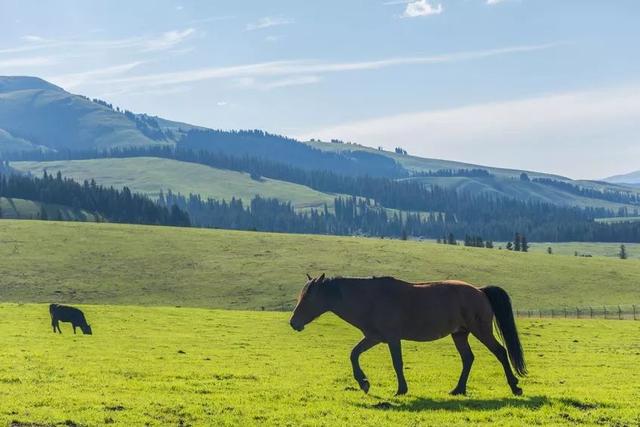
431	328
427	334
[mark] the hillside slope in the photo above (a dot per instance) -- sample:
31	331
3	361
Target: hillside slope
34	113
504	182
145	265
150	175
38	116
627	178
13	208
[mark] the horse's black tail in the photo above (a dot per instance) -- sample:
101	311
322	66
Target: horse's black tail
501	305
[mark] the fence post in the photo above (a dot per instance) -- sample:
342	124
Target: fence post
577	313
605	311
565	312
619	313
552	313
591	312
540	313
634	312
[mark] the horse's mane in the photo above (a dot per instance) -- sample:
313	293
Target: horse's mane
345	278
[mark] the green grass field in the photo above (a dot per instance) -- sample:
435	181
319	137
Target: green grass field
150	363
611	250
183	366
13	208
102	263
150	175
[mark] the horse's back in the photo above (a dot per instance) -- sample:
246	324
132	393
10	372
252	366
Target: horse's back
432	310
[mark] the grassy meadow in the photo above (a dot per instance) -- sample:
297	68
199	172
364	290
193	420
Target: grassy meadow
14	208
180	337
184	366
100	263
611	250
150	175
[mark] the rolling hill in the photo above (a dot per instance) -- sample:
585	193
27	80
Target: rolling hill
150	175
632	178
34	114
40	117
13	208
101	263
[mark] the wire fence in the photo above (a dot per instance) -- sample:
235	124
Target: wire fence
613	312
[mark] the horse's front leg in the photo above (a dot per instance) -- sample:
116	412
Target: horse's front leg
364	345
396	356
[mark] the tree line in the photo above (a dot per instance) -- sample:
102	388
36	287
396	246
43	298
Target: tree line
443	210
111	204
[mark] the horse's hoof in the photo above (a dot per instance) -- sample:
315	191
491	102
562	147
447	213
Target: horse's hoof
364	385
517	391
458	392
402	390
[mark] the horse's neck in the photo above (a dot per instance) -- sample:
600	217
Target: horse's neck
349	307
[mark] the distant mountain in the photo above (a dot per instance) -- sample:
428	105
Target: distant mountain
35	114
627	178
48	123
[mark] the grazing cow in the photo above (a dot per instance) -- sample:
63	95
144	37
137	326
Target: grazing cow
64	313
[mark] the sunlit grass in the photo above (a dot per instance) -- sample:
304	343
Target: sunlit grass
179	366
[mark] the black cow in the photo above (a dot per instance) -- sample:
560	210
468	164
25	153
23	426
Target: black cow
64	313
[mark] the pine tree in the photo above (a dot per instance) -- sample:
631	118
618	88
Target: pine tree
525	244
623	252
509	246
43	213
549	250
517	243
452	239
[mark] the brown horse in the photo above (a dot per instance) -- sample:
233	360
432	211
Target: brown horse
389	310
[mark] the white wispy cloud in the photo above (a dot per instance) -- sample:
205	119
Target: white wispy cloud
147	43
72	80
306	67
293	81
272	39
36	61
34	39
492	2
267	22
421	8
538	133
168	40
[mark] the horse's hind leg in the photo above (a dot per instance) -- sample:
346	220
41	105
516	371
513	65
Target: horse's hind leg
461	340
486	337
395	348
364	345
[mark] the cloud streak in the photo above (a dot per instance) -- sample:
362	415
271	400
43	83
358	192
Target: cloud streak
150	43
267	22
306	67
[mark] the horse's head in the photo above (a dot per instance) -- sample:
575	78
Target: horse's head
86	329
312	302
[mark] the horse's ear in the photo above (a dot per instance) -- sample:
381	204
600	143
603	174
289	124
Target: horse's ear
309	277
321	278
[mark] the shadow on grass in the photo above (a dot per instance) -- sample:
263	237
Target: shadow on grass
458	404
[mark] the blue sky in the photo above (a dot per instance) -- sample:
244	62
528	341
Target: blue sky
535	84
